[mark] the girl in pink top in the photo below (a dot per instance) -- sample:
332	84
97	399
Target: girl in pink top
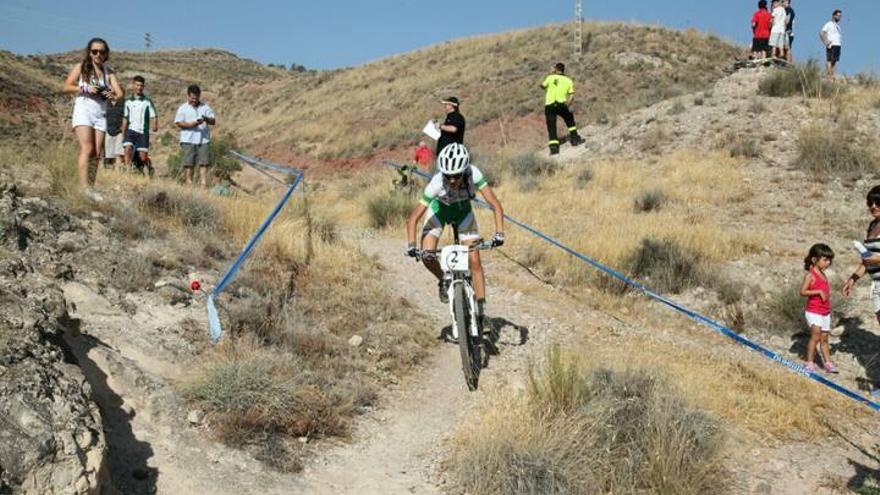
818	308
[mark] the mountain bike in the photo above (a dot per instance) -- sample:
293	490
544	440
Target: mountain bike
466	322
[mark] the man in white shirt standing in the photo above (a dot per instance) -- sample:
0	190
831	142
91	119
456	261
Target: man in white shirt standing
193	119
832	39
777	32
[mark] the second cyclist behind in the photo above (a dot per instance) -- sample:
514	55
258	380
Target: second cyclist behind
448	198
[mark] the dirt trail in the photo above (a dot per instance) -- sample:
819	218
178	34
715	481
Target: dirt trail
398	449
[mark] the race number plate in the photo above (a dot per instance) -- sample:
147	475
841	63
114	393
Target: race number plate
454	259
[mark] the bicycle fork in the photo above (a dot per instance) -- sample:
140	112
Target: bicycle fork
470	301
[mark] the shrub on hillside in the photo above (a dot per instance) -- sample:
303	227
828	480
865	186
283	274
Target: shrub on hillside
799	80
391	208
744	146
667	266
583	178
837	150
651	200
574	431
222	163
786	312
189	209
531	165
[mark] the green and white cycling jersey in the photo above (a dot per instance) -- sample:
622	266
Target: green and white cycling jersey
448	204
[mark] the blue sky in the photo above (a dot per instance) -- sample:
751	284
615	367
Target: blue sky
326	34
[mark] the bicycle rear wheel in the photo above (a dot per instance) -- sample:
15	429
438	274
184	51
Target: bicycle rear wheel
468	345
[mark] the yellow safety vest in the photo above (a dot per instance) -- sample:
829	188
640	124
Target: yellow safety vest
558	88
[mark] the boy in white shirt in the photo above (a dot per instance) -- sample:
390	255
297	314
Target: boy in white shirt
777	32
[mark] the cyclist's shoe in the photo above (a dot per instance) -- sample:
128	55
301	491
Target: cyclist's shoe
443	288
412	251
554	149
576	139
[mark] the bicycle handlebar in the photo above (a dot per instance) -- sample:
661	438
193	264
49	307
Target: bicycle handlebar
432	253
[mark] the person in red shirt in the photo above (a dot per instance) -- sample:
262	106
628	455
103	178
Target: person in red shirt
424	157
761	24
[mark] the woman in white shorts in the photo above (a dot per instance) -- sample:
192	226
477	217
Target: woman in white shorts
93	83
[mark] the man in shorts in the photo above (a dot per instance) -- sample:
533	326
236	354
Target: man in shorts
139	118
777	32
761	22
113	151
193	119
832	38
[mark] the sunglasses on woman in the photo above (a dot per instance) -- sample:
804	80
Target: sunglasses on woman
98	52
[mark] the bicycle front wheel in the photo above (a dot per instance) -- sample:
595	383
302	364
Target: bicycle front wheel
467	344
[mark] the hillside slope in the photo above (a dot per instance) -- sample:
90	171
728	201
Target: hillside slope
340	115
384	104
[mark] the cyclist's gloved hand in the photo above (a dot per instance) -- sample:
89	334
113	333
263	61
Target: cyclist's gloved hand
498	239
412	251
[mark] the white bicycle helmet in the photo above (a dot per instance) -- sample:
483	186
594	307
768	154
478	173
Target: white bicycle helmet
453	159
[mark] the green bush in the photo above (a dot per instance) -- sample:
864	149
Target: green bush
667	266
799	80
223	164
527	165
744	146
192	211
651	200
787	312
390	208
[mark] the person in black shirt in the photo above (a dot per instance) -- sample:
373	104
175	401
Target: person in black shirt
789	30
113	150
452	130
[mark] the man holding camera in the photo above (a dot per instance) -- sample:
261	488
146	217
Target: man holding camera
193	119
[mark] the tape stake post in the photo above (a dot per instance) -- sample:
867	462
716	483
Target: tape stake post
699	318
229	276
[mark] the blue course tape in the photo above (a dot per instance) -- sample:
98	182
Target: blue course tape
213	319
793	366
265	164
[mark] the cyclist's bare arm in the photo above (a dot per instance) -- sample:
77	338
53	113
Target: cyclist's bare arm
497	210
412	222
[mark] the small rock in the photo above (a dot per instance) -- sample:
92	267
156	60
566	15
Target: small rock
303	440
128	410
85	439
355	341
82	484
195	417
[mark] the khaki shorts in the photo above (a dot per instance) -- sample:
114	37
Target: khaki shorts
196	154
113	146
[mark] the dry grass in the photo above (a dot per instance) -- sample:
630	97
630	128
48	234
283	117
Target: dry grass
580	430
806	80
403	91
836	149
748	392
599	221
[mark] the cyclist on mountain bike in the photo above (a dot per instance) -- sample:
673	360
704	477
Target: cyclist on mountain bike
449	195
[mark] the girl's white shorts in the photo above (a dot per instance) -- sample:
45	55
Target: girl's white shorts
821	321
